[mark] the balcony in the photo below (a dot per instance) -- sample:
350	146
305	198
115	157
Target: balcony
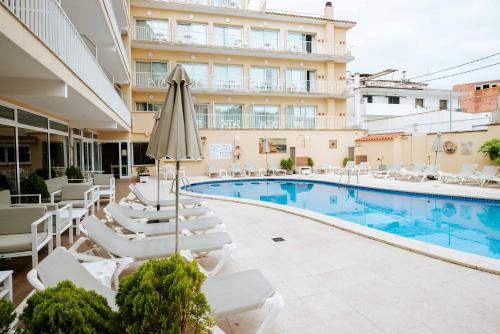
50	24
248	86
267	122
236	4
212	42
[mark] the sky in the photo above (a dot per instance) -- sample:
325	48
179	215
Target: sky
417	36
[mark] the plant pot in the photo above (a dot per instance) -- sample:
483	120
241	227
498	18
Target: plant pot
289	172
144	177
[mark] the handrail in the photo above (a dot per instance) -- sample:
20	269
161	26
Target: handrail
47	20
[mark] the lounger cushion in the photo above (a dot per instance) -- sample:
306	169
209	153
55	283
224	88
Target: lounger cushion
20	242
74	191
18	219
150	248
239	292
163	203
5	197
103	179
60	265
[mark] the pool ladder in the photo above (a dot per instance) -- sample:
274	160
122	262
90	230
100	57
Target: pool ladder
184	182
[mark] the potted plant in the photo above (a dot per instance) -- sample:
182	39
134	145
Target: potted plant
287	164
74	173
310	162
142	174
7	316
164	296
34	184
491	149
344	162
68	309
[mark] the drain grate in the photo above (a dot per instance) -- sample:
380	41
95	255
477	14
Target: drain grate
278	239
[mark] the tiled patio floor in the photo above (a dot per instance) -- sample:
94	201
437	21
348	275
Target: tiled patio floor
338	282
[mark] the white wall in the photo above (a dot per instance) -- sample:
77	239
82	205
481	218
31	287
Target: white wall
430	122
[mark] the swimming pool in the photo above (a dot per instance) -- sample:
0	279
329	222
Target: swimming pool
469	225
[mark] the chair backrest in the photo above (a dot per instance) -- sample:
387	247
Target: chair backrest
56	183
138	194
74	191
468	169
363	165
235	167
212	168
396	166
106	238
350	164
60	266
103	179
489	171
249	165
16	220
431	169
418	167
5	198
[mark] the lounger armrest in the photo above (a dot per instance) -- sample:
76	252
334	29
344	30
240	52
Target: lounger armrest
20	196
33	279
53	195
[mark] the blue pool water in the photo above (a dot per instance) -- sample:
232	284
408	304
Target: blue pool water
464	224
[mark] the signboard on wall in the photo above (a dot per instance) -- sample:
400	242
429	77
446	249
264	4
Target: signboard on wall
220	151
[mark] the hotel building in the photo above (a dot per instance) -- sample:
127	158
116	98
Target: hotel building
80	91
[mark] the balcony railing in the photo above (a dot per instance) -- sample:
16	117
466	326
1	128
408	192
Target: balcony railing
248	85
48	21
263	122
236	41
215	3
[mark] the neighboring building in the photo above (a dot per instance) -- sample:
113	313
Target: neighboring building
80	80
376	99
481	96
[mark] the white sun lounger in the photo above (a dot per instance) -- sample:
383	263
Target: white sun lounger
404	173
396	168
250	169
467	171
213	170
118	246
227	294
488	174
196	226
164	202
276	170
163	215
430	170
364	167
236	170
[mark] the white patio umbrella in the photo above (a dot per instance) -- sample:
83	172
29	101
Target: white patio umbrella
437	146
175	132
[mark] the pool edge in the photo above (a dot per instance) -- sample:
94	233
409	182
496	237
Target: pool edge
472	261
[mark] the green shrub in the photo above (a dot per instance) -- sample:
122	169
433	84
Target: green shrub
310	162
491	148
34	184
164	296
74	172
67	309
286	164
344	162
7	315
142	170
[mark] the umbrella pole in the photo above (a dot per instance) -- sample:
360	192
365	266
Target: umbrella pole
177	165
158	188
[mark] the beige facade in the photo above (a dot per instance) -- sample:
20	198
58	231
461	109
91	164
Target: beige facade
411	149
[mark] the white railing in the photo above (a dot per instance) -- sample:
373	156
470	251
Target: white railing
262	122
237	41
215	3
117	33
48	21
245	84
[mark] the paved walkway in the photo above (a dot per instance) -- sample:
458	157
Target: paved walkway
337	282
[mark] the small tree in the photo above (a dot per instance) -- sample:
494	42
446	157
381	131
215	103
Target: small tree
34	184
344	162
67	309
491	148
164	296
310	162
286	164
74	172
7	315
